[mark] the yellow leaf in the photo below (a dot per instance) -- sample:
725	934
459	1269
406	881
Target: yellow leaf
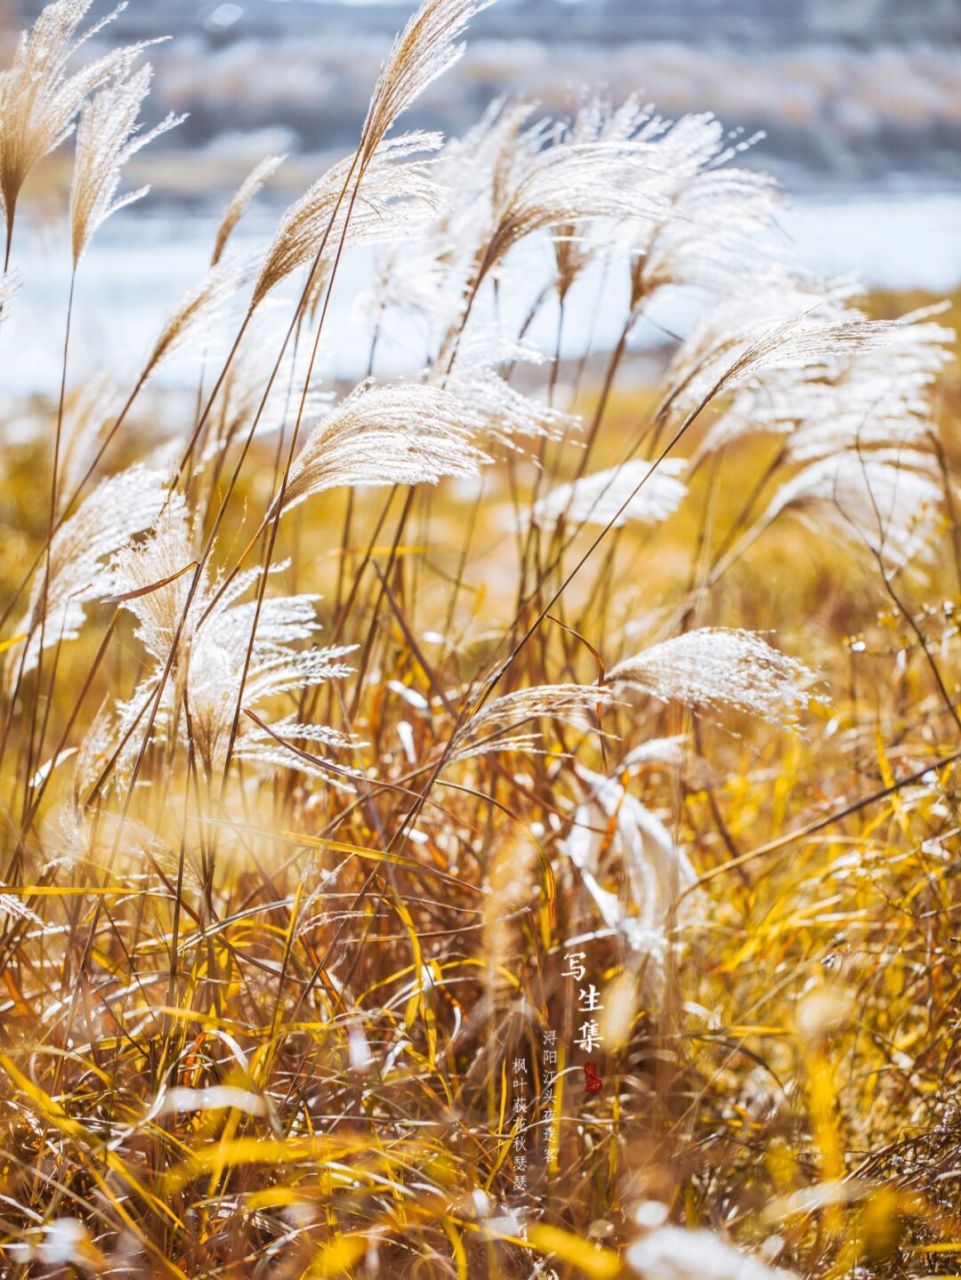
336	1256
223	1155
593	1260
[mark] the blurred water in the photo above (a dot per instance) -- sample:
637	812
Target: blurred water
140	266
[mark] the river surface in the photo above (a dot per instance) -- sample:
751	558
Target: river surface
142	263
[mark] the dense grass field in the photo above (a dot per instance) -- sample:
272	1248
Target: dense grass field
501	822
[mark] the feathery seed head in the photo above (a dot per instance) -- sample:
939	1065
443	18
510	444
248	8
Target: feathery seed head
715	668
655	869
198	314
214	640
886	500
386	434
248	189
424	50
651	493
390	201
119	507
39	101
500	725
107	136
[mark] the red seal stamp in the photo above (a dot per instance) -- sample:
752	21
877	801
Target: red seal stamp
592	1081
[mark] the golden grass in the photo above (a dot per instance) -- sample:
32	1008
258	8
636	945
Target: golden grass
282	952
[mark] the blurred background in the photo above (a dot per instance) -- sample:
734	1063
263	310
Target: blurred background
859	102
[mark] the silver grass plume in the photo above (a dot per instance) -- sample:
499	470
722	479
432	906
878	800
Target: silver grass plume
656	870
476	170
242	396
875	395
696	223
214	639
245	193
536	179
14	908
391	204
716	668
154	576
598	498
89	412
506	412
386	434
424	50
420	287
499	726
671	751
886	499
596	121
713	226
786	325
718	235
571	182
39	100
216	665
119	507
107	136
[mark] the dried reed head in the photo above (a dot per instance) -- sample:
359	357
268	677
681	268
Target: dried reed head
215	634
508	415
569	183
887	500
614	837
107	136
424	50
386	434
713	667
245	193
396	198
877	394
119	507
197	318
651	494
88	412
39	100
504	723
596	121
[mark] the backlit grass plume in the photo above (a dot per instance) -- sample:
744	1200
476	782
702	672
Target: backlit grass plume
634	491
39	98
714	667
121	506
404	433
107	136
397	194
424	50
